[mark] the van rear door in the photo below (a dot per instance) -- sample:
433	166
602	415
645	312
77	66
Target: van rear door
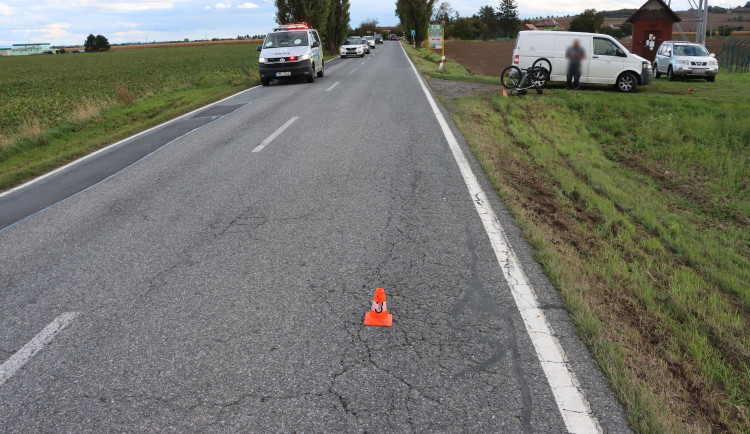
532	46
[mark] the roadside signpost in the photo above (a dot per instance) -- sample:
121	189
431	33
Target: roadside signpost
436	34
413	39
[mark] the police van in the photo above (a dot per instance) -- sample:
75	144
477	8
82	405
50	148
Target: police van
606	62
291	50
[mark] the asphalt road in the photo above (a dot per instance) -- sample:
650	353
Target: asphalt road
202	277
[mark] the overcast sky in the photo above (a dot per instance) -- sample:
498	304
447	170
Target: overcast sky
70	21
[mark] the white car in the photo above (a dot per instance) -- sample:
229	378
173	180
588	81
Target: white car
606	62
685	59
370	41
352	46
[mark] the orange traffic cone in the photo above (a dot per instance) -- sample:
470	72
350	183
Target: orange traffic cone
378	314
504	93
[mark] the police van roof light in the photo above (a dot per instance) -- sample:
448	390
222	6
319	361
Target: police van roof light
296	26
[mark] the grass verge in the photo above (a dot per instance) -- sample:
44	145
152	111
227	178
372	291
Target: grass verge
638	208
32	155
58	108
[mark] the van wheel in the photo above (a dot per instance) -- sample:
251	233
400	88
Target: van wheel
265	81
711	79
657	74
626	82
670	74
311	77
322	69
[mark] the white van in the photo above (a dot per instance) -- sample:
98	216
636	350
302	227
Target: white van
607	61
291	50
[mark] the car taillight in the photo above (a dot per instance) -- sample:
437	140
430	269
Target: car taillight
515	59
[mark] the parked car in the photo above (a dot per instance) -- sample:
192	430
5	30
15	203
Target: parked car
606	62
352	46
378	38
684	59
365	45
392	37
370	41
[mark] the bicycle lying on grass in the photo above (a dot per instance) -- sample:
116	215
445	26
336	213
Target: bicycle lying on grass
519	81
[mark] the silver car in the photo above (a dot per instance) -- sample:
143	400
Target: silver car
684	59
352	46
370	41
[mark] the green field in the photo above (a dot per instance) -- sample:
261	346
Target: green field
57	108
638	207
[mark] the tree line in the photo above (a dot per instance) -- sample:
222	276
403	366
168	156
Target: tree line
329	17
489	22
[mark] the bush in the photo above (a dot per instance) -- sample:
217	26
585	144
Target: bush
96	43
725	30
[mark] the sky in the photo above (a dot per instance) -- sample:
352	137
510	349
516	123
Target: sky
68	22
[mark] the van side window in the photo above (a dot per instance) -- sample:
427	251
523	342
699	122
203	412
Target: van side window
604	47
315	37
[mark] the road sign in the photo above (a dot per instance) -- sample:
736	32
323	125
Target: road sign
413	32
436	36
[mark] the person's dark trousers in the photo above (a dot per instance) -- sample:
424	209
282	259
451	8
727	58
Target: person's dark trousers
574	74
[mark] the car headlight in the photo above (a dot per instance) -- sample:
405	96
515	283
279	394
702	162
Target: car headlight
683	61
646	65
262	60
713	62
304	57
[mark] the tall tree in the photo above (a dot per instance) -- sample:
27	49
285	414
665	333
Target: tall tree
337	26
508	17
589	21
415	15
443	13
368	26
463	28
312	12
489	24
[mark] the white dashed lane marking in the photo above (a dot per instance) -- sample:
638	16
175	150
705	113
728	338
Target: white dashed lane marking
35	345
275	134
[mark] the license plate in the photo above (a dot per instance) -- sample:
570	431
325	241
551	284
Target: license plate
698	71
283	74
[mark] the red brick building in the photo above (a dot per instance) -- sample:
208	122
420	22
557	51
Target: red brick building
652	24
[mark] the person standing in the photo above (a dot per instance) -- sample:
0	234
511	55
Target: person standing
575	55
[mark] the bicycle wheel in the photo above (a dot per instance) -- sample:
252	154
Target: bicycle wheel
511	77
539	72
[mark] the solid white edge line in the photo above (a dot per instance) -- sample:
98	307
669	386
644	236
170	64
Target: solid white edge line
113	145
275	134
573	405
334	85
353	71
17	360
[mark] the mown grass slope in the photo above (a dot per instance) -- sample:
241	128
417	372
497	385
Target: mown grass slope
638	207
